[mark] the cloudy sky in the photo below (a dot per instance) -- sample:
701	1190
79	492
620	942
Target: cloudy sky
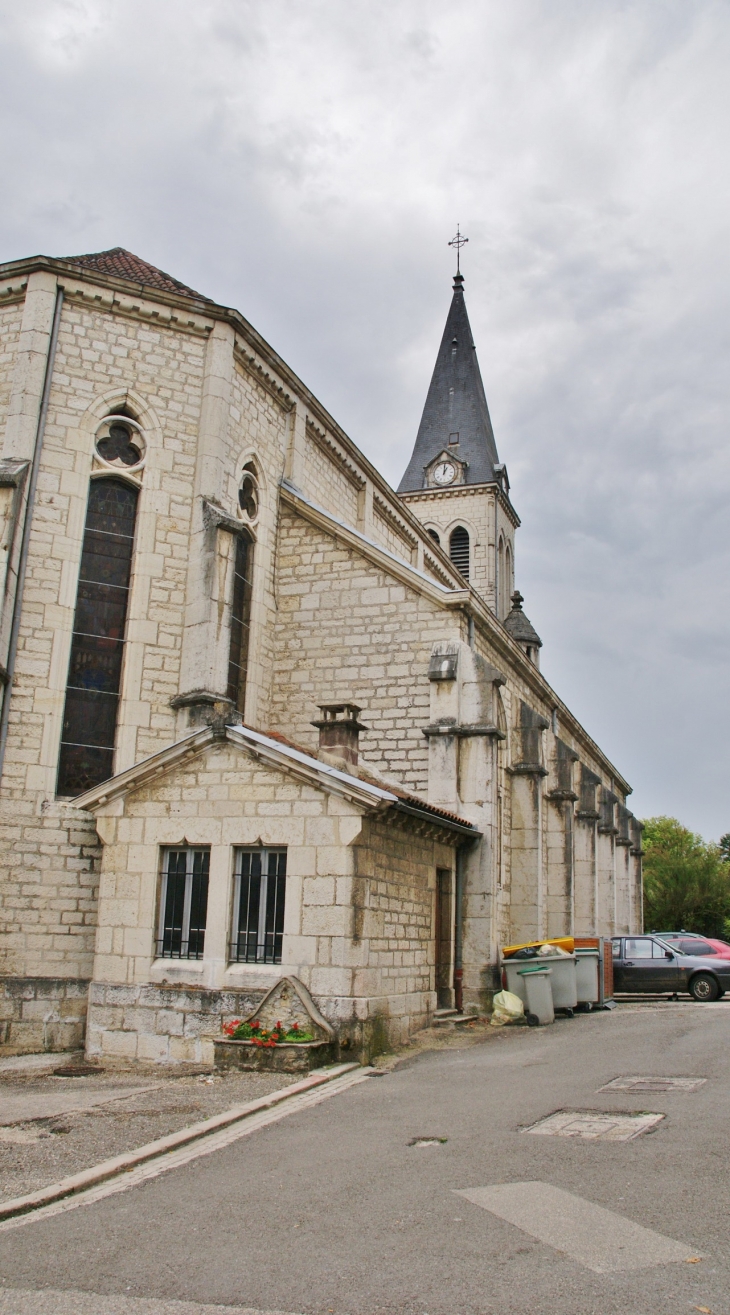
307	161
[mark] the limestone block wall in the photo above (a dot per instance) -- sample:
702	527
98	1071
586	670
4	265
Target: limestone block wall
42	1014
49	876
358	928
346	630
11	316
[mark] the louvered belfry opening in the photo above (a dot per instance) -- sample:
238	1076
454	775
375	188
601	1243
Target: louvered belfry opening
240	621
97	647
459	550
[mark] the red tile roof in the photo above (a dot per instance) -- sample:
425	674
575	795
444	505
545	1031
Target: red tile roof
124	265
413	799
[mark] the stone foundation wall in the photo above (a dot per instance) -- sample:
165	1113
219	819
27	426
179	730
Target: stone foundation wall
42	1014
161	1024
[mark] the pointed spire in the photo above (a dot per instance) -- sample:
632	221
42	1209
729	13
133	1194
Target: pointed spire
456	416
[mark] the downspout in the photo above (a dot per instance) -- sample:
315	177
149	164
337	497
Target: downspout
27	526
459	932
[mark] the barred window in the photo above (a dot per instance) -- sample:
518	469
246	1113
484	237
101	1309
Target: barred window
240	621
459	550
183	903
95	666
258	906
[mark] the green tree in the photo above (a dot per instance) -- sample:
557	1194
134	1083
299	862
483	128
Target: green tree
686	881
725	847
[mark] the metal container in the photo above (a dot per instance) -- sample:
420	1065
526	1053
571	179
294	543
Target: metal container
587	976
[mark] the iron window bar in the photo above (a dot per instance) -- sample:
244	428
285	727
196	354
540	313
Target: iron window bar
183	903
257	929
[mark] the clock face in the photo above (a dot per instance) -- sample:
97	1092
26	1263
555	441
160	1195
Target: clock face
444	472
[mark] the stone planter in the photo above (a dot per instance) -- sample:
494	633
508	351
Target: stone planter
293	1057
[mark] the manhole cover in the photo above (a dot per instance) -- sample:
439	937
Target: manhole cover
594	1125
653	1084
427	1141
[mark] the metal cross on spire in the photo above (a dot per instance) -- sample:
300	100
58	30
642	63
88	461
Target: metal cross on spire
458	242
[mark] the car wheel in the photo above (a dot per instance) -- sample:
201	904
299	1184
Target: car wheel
704	987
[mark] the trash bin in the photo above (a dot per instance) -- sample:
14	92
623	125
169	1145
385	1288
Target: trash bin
537	984
587	976
565	989
512	970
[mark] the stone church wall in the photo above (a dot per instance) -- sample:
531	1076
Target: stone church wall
347	630
10	320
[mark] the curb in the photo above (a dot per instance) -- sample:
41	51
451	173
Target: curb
123	1163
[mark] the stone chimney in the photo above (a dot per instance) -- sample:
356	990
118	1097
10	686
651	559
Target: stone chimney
339	734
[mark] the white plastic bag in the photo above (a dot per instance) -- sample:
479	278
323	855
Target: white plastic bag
553	950
506	1008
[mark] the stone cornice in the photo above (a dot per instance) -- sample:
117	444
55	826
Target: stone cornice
335	454
463	490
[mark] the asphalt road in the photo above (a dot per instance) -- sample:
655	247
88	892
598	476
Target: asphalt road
332	1210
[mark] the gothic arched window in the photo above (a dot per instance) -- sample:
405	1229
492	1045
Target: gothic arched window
435	536
240	620
459	550
95	667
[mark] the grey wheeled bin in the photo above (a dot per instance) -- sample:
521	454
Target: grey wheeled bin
536	981
563	980
513	968
587	977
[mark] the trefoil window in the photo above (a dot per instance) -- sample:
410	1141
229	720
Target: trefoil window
183	903
258	906
97	646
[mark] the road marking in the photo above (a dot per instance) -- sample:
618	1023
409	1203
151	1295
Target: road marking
595	1125
654	1084
174	1159
598	1239
17	1301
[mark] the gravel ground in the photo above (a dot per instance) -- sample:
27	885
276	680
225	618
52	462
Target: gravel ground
39	1151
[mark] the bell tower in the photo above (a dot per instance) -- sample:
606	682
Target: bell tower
455	482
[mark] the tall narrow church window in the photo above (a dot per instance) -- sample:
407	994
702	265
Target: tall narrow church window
508	582
501	593
240	621
459	550
434	535
97	646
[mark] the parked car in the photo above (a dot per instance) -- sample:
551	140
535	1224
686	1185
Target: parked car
690	942
648	964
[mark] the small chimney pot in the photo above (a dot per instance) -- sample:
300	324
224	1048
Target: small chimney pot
339	730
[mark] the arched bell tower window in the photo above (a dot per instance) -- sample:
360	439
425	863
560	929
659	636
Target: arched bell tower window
434	534
459	550
97	647
240	620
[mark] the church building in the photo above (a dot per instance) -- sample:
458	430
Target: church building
262	716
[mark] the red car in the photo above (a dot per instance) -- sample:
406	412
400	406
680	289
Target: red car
692	943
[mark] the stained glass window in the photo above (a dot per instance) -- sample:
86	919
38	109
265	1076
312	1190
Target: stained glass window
97	647
240	621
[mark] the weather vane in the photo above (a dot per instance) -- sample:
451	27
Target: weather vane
458	242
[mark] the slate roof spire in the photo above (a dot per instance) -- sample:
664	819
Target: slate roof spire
455	405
